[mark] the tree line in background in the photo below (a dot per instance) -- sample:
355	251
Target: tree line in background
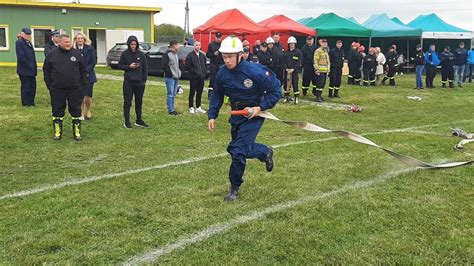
164	33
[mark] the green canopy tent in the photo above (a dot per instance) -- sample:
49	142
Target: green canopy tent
352	19
332	25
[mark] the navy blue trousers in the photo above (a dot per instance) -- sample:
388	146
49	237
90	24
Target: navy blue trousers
243	146
28	90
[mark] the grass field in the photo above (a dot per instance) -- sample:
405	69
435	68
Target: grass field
328	200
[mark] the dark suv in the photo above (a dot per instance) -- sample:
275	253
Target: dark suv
155	56
113	56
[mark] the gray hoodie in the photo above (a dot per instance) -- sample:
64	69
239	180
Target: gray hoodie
171	65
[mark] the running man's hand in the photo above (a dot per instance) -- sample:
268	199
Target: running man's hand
211	124
256	111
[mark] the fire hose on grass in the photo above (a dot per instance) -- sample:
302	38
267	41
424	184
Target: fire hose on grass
248	112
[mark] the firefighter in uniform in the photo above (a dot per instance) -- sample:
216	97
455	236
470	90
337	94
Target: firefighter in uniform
336	56
65	75
308	65
277	58
292	65
321	68
215	60
264	56
369	64
353	61
447	67
392	64
248	86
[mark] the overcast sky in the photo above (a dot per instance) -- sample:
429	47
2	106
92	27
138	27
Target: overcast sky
456	12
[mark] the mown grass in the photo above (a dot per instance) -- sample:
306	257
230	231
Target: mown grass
418	217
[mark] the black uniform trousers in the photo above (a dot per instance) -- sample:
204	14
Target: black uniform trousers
321	80
447	74
369	76
196	87
391	72
354	75
130	89
335	76
294	82
28	90
72	97
309	77
430	75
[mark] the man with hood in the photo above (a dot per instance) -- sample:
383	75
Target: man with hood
133	62
431	62
447	67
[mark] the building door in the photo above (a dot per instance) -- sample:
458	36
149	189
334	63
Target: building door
97	37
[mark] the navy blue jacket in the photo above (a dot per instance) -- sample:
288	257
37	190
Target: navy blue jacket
246	82
26	59
90	59
460	57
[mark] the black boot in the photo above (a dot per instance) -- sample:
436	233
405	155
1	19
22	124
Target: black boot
392	82
297	96
451	85
315	91
336	93
305	91
318	96
233	194
286	97
76	129
331	93
58	128
443	85
383	80
269	163
350	81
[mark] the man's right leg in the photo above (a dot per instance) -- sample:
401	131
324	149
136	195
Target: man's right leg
306	80
24	90
192	91
170	94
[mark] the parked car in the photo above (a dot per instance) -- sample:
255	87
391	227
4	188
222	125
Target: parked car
113	56
155	55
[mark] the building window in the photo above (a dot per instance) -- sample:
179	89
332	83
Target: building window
4	38
76	31
41	38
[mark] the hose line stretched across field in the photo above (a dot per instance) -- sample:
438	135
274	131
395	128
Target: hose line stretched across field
360	139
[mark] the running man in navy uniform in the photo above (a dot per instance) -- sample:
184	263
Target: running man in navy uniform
247	86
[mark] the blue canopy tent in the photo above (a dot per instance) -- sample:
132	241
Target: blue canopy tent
353	20
398	21
434	27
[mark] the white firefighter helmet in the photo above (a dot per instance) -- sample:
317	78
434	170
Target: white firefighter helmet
270	40
292	40
231	45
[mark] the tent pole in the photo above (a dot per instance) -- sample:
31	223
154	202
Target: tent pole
408	55
370	42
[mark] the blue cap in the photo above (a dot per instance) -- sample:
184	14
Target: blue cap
26	31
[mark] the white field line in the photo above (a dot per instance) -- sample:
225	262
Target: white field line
153	255
79	181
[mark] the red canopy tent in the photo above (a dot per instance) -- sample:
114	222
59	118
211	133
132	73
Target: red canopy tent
284	26
229	22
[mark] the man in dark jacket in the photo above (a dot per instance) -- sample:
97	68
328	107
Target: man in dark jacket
431	62
53	42
309	77
264	56
447	67
196	67
172	75
133	62
460	61
336	57
292	65
256	48
278	44
392	64
419	61
277	59
216	60
65	75
26	67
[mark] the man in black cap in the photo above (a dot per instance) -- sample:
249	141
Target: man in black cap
65	75
308	68
216	60
53	42
26	67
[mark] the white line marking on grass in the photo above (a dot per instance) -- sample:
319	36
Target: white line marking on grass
153	255
79	181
